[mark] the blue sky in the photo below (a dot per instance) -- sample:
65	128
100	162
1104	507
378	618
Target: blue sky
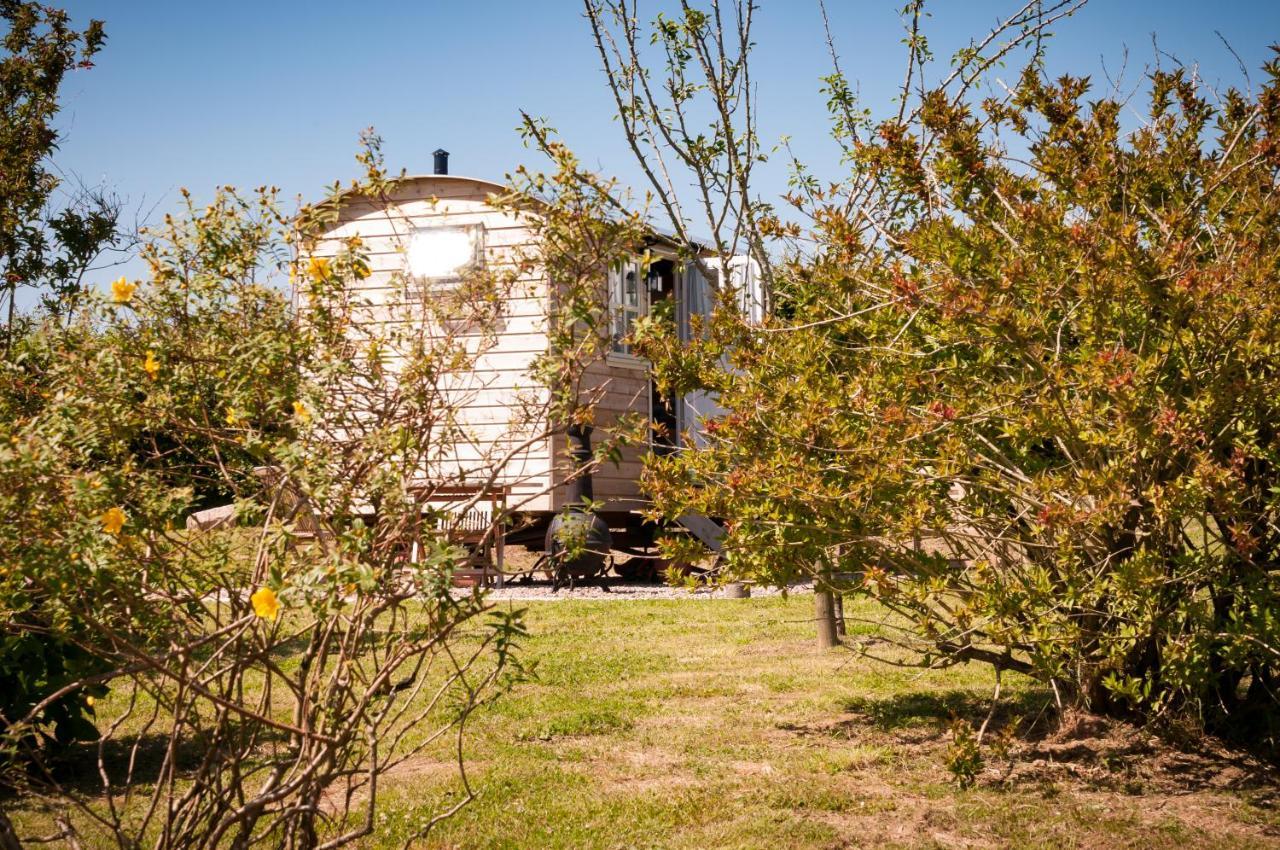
199	94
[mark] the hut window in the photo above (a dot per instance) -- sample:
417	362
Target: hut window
445	253
627	302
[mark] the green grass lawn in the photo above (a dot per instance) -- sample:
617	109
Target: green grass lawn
715	723
701	723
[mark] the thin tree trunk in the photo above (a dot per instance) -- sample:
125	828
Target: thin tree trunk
8	835
824	609
8	328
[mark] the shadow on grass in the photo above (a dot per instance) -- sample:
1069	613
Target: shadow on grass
1031	711
133	761
1030	741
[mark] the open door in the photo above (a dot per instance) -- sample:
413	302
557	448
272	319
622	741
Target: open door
695	299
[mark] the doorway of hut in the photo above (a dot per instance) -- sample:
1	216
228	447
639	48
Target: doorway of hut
663	424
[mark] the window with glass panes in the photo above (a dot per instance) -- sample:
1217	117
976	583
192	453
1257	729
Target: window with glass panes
626	303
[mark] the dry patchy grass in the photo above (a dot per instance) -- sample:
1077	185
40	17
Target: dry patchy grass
715	723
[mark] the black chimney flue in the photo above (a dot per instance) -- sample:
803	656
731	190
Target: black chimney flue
442	161
579	488
578	529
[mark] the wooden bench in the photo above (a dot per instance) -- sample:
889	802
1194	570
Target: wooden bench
291	506
480	528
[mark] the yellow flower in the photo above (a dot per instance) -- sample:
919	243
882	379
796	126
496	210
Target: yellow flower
265	603
318	267
113	520
122	290
301	413
89	701
151	365
360	269
233	416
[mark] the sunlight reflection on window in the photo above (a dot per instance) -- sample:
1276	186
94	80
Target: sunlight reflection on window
442	252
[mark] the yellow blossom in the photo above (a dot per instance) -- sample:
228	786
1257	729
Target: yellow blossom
265	603
113	520
360	269
89	701
318	267
233	416
122	290
151	365
301	413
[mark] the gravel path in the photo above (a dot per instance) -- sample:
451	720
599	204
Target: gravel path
619	592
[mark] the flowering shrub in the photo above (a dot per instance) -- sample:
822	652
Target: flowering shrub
1020	380
320	643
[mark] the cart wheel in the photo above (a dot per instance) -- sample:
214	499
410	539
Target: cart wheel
637	569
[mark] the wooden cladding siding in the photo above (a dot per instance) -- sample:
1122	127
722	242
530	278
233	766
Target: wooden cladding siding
625	388
489	393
